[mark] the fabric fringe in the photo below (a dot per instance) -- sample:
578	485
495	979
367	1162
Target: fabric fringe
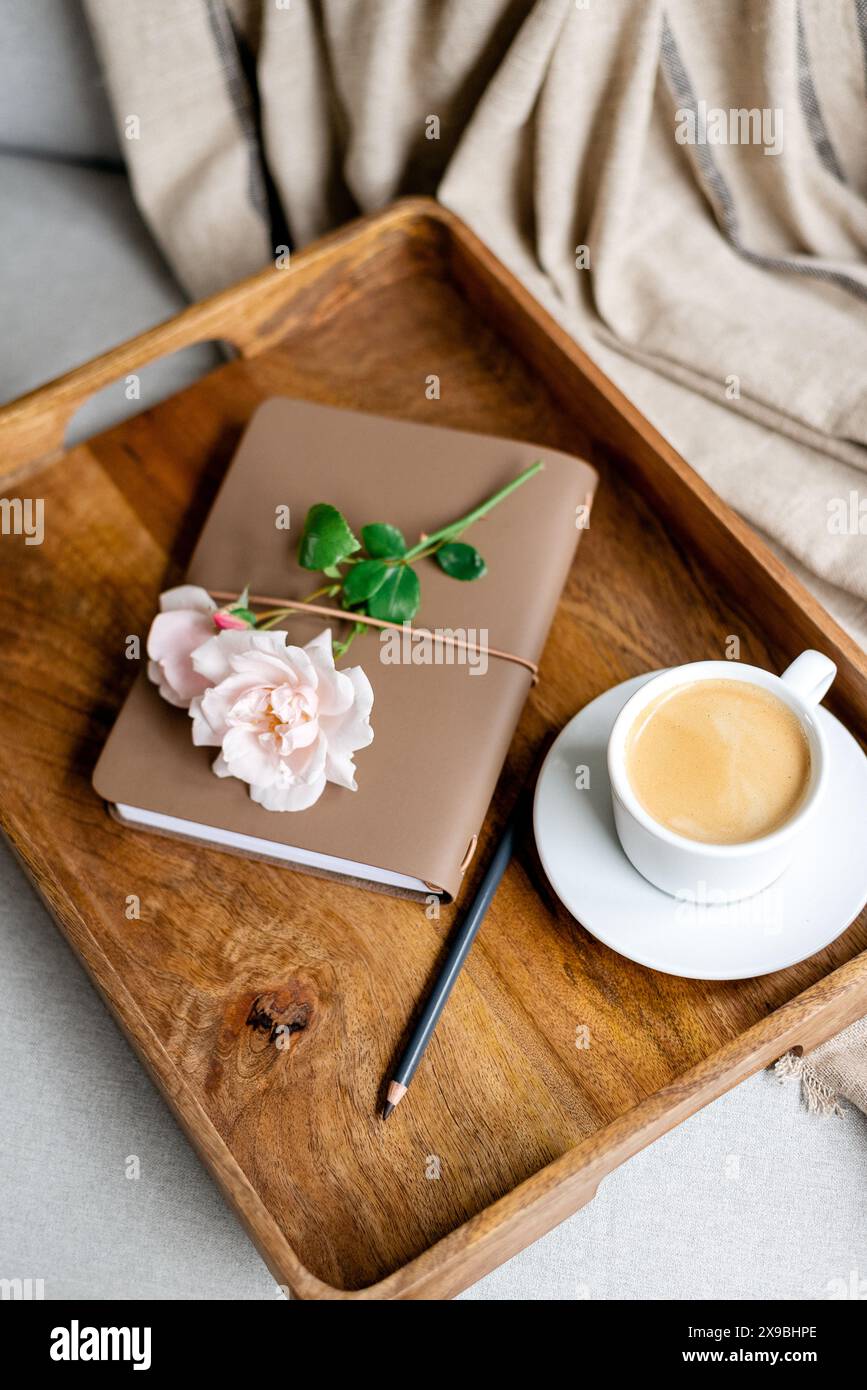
818	1097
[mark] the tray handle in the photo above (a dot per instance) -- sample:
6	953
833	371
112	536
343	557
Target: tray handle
32	428
251	316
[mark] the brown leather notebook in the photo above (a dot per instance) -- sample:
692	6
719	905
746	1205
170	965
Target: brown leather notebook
441	730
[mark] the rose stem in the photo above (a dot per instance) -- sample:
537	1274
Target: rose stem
456	527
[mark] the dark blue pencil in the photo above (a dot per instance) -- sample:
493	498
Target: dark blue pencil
458	952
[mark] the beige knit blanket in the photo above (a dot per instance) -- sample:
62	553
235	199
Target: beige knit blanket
681	183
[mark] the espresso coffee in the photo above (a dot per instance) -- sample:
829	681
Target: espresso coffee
720	761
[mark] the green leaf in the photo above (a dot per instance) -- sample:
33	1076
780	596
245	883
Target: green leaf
383	542
326	538
461	561
331	571
398	597
364	579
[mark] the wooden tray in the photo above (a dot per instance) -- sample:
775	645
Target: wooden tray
523	1124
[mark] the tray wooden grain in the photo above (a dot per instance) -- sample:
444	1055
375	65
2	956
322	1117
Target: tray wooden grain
523	1123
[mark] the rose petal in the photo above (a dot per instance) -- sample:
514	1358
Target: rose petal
351	730
340	768
209	716
155	674
348	732
320	649
213	659
264	668
249	758
173	638
280	661
336	692
307	765
204	735
293	737
295	798
187	596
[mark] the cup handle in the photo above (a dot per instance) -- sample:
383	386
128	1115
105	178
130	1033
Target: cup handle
810	676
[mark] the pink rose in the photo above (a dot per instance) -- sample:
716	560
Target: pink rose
284	719
185	621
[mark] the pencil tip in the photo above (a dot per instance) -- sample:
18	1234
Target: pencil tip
387	1109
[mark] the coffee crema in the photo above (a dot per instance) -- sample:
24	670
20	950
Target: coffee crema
720	761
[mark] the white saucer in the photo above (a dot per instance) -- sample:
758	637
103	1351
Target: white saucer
813	903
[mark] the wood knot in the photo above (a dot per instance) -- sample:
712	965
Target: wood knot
282	1013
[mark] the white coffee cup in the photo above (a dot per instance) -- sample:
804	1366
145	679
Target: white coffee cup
702	872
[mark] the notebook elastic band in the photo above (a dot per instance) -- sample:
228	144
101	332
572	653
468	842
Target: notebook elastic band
322	610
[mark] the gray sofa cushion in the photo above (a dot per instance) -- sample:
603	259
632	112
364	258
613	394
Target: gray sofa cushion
52	96
79	274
